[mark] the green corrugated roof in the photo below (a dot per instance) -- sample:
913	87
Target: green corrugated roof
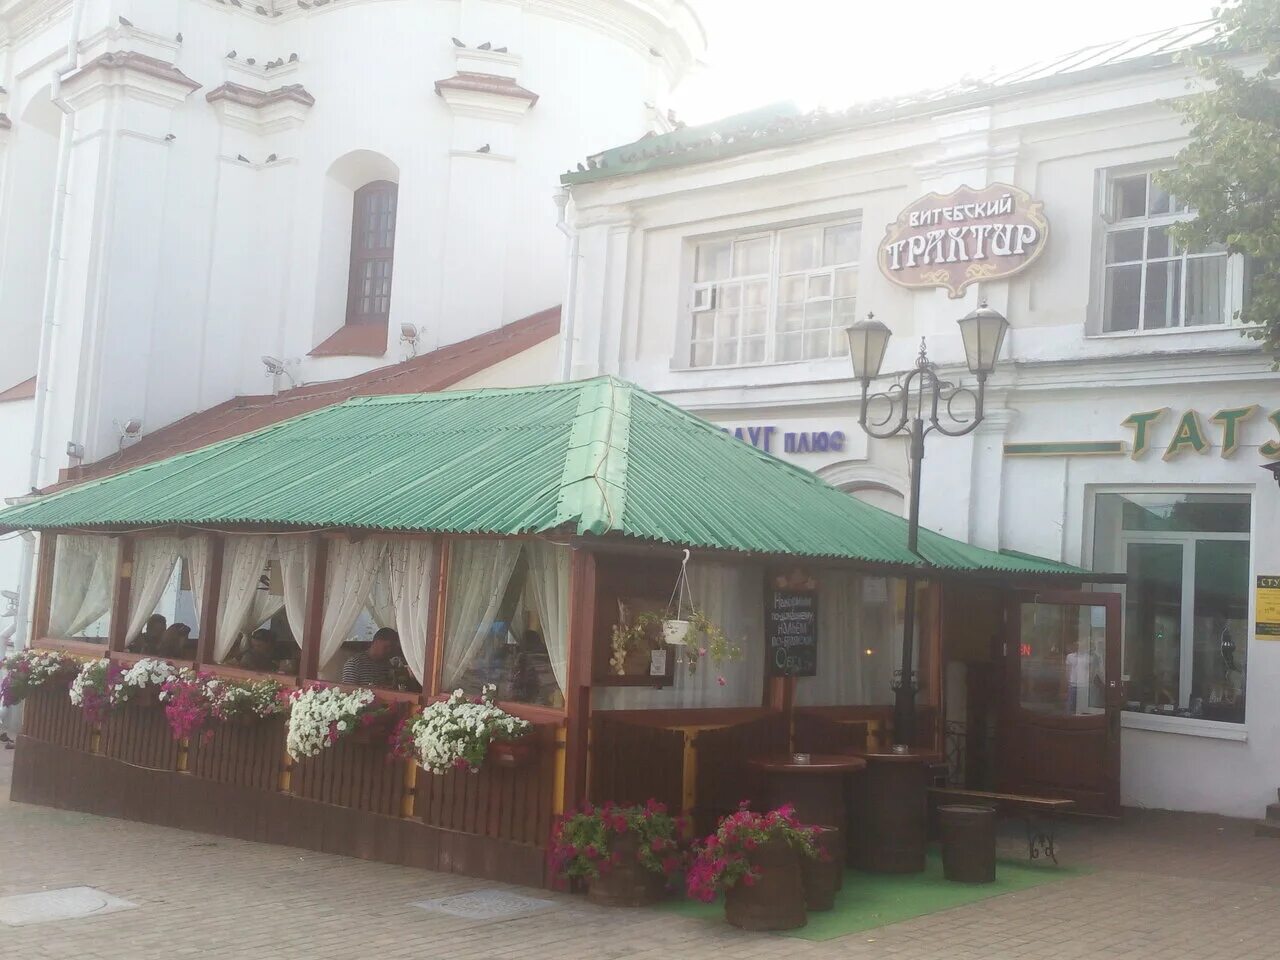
595	456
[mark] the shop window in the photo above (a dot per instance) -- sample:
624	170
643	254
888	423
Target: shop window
1150	282
776	296
506	620
373	238
1186	603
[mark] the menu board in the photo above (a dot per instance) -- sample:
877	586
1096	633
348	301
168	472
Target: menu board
791	633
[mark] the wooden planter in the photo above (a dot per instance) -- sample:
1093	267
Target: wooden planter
776	900
626	884
823	875
511	753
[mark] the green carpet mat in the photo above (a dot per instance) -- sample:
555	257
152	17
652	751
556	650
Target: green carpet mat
873	900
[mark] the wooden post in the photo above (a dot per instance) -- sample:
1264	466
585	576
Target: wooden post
210	596
44	586
122	588
577	695
434	659
309	662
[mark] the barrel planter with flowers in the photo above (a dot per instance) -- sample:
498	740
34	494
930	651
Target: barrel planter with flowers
755	859
627	855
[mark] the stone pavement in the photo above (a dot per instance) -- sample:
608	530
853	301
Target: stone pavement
1164	887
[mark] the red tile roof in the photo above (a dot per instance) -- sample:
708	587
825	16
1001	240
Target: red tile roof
19	391
430	372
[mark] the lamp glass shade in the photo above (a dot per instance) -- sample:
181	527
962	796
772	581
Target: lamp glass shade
868	341
983	333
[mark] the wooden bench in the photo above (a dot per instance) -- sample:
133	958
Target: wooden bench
1038	813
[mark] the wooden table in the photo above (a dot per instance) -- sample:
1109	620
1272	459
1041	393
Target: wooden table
889	815
816	788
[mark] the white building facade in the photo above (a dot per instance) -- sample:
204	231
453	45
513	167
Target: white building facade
188	187
1127	423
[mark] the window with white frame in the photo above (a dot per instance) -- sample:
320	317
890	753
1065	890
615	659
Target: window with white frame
1186	599
1149	281
774	296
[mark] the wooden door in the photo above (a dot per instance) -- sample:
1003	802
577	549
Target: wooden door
1059	733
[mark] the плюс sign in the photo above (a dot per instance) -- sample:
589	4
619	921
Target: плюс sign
968	235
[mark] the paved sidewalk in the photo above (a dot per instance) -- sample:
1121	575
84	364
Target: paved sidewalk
1164	887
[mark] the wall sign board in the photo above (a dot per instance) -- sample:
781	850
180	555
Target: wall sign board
791	633
1267	620
963	237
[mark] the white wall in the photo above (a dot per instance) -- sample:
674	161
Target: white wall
184	264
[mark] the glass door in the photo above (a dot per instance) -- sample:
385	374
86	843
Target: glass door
1059	733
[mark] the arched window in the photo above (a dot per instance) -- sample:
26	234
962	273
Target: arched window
373	239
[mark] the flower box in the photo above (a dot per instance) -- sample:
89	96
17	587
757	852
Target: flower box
511	753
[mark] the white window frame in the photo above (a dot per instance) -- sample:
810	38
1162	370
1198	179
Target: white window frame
1192	726
1233	279
702	295
1186	627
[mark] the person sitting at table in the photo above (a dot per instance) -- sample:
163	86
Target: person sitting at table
372	667
174	641
261	654
148	641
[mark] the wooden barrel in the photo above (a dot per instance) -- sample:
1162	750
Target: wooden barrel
776	900
968	843
625	883
823	875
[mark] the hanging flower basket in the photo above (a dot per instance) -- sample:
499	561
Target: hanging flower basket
511	753
141	683
458	733
675	631
30	670
320	716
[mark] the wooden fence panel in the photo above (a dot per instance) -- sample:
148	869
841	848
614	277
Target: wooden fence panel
631	763
246	755
500	802
140	735
49	715
724	778
361	776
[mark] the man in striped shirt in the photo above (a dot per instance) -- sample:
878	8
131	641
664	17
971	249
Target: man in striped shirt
372	667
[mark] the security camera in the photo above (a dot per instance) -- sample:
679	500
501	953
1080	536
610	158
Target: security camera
274	366
130	431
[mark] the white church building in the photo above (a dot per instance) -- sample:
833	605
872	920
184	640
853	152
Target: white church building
203	200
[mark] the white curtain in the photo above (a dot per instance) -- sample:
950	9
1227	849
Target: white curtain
195	551
153	561
547	587
401	598
479	573
349	576
295	557
856	642
730	595
240	606
83	574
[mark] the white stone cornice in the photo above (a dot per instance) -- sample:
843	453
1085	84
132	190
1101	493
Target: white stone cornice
261	111
132	74
486	96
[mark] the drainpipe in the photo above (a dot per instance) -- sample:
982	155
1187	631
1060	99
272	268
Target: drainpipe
569	311
48	323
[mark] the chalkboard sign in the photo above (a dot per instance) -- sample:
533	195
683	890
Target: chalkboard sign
791	633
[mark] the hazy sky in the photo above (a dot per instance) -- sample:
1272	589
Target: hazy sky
836	52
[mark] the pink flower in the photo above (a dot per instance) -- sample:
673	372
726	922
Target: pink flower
721	681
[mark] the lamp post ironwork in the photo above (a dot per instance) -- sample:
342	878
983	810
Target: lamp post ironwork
916	405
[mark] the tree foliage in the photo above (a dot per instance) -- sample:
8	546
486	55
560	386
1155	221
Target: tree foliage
1230	171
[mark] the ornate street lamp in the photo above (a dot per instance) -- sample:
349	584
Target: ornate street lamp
1274	467
916	405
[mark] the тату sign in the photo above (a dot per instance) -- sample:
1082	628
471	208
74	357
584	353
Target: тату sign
968	235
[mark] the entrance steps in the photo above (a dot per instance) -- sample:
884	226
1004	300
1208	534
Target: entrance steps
1270	827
